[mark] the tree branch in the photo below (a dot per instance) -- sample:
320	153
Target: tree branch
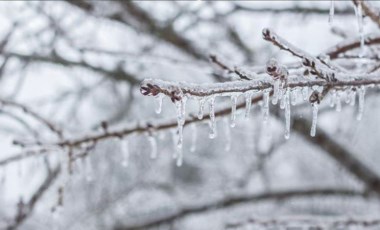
339	153
239	200
26	210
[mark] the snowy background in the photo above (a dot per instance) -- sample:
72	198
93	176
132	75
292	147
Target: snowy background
78	64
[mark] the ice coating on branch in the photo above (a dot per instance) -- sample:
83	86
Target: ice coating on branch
153	146
233	110
158	100
361	92
201	108
248	103
177	90
266	105
227	147
314	119
287	114
212	133
124	148
332	11
194	135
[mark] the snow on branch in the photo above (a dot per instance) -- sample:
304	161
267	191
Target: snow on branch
176	91
317	68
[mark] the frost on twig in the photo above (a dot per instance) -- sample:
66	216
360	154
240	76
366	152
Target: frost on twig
315	66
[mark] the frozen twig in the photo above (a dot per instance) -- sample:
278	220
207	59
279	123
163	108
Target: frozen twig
176	91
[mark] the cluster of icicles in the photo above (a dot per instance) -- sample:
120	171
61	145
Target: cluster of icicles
284	96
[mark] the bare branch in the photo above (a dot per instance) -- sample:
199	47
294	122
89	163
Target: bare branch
35	115
240	199
25	210
311	223
117	74
341	154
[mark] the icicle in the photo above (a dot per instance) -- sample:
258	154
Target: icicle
161	136
233	110
294	96
361	102
266	105
153	146
158	100
332	10
314	120
348	96
248	103
359	17
125	152
201	107
305	93
287	114
179	157
193	138
338	102
276	90
283	98
353	98
212	134
175	141
227	147
181	106
332	98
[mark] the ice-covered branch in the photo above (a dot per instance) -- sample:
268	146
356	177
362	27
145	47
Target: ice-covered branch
177	91
316	66
214	59
297	9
